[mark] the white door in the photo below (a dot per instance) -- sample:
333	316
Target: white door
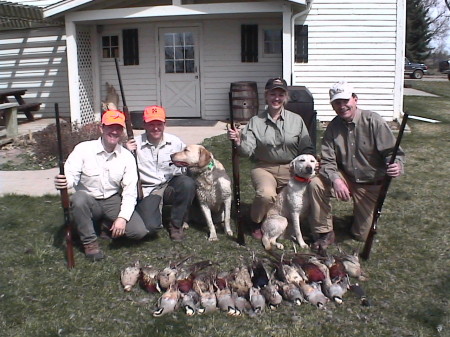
180	83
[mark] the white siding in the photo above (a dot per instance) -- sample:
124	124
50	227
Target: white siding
221	64
140	82
355	41
36	60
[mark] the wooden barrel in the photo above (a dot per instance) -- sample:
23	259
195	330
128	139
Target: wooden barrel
244	100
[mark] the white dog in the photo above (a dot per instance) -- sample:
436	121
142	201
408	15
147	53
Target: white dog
213	184
290	204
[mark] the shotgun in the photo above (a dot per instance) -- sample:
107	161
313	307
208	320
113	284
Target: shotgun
129	127
382	195
65	202
236	184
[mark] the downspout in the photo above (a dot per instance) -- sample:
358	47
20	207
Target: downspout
293	18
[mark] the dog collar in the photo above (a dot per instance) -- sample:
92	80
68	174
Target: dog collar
302	180
210	165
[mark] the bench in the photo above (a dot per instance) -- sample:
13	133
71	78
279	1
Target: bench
8	114
26	108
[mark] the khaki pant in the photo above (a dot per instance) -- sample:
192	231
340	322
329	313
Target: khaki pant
364	198
267	180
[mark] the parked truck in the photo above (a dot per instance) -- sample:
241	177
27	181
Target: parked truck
444	68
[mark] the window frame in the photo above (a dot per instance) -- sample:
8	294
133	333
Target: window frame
262	41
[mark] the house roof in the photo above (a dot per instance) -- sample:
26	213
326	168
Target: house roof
18	14
22	14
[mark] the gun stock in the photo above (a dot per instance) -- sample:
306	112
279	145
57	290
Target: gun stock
236	182
129	129
65	202
365	253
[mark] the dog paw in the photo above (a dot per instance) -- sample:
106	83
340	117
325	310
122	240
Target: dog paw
213	238
185	225
230	233
279	246
303	245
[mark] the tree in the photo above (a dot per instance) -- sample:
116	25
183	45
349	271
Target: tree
418	34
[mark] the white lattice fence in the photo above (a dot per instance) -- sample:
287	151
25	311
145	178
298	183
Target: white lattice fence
85	77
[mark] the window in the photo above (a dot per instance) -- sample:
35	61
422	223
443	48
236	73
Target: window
301	43
110	46
272	40
179	51
130	43
249	43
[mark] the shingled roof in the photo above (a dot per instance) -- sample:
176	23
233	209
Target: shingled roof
19	16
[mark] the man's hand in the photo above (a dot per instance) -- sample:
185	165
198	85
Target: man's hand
234	134
341	190
60	182
394	170
131	145
118	228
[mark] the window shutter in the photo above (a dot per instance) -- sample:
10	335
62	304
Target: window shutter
249	43
301	43
130	47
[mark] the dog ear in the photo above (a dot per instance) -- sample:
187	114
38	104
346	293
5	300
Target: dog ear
204	157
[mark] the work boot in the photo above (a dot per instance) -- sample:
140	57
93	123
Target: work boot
176	233
92	251
323	241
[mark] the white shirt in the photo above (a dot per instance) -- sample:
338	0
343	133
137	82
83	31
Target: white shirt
153	161
101	174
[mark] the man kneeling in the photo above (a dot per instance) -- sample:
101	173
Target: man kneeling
104	176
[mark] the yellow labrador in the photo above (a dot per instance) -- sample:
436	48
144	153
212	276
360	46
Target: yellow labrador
213	184
290	204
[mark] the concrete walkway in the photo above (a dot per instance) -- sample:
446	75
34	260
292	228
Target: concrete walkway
38	183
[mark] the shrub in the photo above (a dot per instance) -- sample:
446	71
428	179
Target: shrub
45	147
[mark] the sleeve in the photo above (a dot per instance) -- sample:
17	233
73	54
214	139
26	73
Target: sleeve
129	188
385	141
73	166
328	164
248	141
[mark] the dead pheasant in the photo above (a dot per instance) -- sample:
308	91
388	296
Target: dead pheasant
241	281
257	300
148	279
168	276
130	275
313	294
291	293
190	302
168	301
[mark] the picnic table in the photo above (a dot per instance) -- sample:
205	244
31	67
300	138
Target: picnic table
23	106
8	112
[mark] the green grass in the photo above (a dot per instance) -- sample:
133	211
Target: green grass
408	268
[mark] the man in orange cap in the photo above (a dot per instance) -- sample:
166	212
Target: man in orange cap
104	177
161	180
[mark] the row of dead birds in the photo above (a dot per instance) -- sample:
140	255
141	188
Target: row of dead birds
200	288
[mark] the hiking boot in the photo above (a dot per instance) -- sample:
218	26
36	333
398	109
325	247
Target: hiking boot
92	251
176	233
323	241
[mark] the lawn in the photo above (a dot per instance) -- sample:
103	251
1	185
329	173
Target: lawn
408	281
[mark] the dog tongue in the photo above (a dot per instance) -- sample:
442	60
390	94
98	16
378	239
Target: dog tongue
180	163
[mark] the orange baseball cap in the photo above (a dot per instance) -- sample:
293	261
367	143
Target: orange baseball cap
111	117
154	113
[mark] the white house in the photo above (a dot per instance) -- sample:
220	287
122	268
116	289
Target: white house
184	54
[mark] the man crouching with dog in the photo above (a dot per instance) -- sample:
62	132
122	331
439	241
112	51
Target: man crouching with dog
356	149
162	182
